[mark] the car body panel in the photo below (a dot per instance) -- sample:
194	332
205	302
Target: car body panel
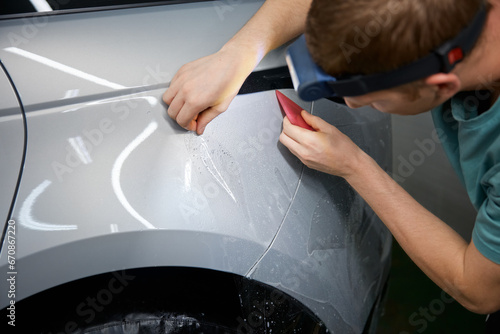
110	182
78	57
11	145
331	240
89	82
93	165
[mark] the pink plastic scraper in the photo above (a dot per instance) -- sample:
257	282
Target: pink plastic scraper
292	111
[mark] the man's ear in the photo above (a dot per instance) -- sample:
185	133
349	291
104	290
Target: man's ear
445	84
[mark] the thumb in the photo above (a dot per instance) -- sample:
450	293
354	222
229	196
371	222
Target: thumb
313	121
205	117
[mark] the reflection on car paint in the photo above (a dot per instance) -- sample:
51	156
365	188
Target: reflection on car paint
128	99
26	214
81	149
64	68
117	167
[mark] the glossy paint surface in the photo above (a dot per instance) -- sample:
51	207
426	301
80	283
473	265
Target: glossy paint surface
100	142
113	173
11	145
110	182
332	252
60	60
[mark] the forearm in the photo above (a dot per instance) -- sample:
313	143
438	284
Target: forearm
436	248
274	24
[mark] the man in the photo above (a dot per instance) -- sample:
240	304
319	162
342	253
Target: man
341	43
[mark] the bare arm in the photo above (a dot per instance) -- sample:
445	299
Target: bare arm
203	89
444	256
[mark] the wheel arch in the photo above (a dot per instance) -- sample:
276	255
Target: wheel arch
142	299
130	250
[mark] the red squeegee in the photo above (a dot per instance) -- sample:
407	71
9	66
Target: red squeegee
292	111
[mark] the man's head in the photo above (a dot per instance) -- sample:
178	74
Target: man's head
372	36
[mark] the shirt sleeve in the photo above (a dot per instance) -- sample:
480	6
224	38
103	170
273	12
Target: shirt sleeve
447	131
486	233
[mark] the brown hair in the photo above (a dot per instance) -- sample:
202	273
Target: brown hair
370	36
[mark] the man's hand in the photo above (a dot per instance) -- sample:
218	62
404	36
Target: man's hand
326	149
204	88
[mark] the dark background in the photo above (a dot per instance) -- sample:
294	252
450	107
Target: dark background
411	291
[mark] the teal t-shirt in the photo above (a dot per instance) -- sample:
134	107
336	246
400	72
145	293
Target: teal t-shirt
472	143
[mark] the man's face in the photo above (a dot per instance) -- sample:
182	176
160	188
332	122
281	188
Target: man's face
393	101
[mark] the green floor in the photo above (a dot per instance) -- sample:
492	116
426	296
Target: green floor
416	305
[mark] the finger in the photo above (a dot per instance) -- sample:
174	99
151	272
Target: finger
314	121
287	126
192	125
286	140
175	110
319	124
175	107
187	113
286	123
172	90
290	136
293	146
295	132
210	113
206	117
169	94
